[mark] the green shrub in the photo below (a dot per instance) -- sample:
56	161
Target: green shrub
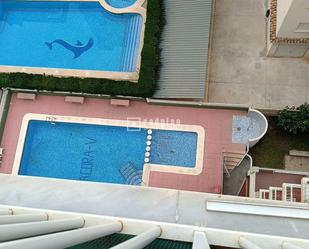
295	120
148	77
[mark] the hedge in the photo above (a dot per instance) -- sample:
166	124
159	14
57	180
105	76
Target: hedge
149	72
295	120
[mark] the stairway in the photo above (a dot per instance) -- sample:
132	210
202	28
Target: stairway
132	175
231	160
234	182
129	57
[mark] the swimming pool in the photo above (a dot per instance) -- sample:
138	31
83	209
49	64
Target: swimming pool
102	153
68	35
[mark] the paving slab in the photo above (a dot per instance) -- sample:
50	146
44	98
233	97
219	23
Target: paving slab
240	72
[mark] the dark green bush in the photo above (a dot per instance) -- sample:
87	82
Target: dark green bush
295	120
149	72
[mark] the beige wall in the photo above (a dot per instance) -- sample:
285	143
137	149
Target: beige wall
293	18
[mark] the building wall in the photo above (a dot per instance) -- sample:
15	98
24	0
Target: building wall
293	18
283	8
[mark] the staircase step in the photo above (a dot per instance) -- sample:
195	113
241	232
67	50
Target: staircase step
131	49
135	43
230	165
233	155
135	179
129	58
240	152
232	160
131	175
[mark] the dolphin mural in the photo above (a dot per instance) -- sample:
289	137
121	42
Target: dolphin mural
78	49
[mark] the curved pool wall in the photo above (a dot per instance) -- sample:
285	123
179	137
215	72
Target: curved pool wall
70	38
121	3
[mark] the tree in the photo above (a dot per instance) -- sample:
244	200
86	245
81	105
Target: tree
295	120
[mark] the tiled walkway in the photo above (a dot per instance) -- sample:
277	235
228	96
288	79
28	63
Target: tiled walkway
217	124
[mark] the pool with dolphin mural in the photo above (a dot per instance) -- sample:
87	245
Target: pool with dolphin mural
68	35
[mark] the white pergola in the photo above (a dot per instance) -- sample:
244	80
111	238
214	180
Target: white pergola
24	228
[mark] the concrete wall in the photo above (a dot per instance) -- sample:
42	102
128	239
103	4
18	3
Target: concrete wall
293	18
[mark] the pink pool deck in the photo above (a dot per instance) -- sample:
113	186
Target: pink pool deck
216	122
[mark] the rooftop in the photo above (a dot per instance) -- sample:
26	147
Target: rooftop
184	54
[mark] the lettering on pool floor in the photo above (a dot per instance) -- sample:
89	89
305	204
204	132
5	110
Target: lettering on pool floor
87	161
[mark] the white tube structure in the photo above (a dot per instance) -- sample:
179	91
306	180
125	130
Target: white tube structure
247	244
6	211
24	230
22	218
64	239
287	245
200	241
140	241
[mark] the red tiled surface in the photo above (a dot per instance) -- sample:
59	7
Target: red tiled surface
266	179
217	124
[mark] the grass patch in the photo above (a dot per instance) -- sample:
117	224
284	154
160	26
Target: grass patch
149	72
270	151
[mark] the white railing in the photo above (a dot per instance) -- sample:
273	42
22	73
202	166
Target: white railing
305	190
273	192
288	191
263	194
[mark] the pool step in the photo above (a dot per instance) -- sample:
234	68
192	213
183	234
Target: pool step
128	63
132	175
136	178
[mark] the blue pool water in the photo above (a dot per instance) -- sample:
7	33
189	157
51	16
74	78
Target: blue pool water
69	35
120	3
173	148
99	153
